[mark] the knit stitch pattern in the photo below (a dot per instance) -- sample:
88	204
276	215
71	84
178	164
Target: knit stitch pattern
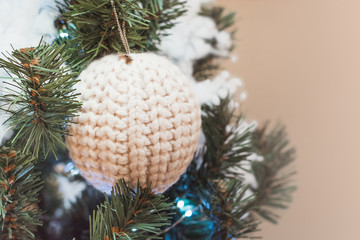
138	121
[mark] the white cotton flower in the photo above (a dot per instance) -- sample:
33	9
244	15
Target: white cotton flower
69	191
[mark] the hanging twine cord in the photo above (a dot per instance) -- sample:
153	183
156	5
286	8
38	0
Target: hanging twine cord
122	30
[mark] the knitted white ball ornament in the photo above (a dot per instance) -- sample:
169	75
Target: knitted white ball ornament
138	121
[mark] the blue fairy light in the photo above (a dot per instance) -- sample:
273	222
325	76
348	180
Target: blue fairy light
180	204
184	205
64	34
188	213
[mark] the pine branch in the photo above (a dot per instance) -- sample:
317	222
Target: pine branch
130	214
20	186
226	203
228	142
222	20
40	97
206	67
223	193
165	12
91	32
94	30
275	187
215	183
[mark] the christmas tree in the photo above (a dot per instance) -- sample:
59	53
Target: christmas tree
119	123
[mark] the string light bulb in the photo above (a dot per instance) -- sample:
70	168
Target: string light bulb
188	213
180	204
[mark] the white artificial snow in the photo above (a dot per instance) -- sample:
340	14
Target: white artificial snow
246	172
190	39
69	191
210	91
22	24
5	132
194	6
223	44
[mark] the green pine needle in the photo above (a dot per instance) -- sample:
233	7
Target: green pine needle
165	13
19	189
222	20
94	32
226	148
223	194
275	185
206	67
40	97
226	203
129	214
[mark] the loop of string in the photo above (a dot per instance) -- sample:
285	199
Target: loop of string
122	31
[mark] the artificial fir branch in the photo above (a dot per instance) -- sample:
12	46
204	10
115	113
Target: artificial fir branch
165	14
215	182
40	97
19	188
226	202
224	196
93	30
223	20
228	141
130	214
206	67
275	187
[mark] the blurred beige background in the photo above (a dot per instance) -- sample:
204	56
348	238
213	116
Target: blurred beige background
300	61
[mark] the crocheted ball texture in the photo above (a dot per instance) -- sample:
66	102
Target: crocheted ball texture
139	121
